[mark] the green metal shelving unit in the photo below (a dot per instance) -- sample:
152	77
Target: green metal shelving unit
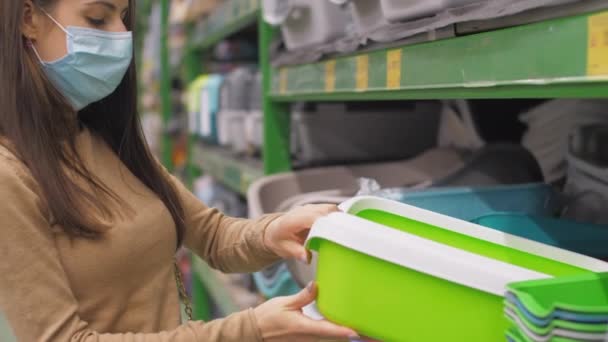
556	58
559	58
235	173
230	19
222	27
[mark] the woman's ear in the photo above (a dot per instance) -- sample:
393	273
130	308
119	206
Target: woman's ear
31	21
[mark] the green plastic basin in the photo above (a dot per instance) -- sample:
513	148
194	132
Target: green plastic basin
393	303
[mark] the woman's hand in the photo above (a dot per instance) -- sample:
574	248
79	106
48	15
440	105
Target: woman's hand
281	319
286	235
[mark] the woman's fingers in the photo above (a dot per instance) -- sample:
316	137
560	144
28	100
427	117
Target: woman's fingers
325	329
304	297
295	249
307	215
327	209
308	326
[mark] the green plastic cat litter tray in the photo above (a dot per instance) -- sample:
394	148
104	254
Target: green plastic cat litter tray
400	273
593	328
585	294
552	335
514	335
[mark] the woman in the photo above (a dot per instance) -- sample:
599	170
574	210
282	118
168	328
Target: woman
90	222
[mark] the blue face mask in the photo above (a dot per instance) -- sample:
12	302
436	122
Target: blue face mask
94	66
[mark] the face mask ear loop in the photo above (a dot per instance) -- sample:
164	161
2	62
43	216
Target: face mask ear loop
31	44
56	22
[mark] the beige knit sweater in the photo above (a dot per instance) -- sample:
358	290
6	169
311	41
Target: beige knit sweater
119	288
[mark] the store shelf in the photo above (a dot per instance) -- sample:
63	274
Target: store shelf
227	20
215	287
565	58
234	172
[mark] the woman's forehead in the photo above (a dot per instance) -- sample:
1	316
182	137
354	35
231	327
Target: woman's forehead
118	5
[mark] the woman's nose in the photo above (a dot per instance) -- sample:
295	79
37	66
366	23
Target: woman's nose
119	26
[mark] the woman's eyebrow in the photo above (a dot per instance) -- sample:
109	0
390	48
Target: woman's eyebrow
106	3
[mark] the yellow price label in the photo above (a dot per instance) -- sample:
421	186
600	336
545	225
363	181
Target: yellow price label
362	72
393	69
597	48
283	78
330	76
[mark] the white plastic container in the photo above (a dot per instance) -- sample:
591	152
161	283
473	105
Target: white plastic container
254	122
235	97
236	90
367	16
403	10
254	129
306	23
231	129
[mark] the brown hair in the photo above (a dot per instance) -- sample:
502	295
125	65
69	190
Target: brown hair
42	127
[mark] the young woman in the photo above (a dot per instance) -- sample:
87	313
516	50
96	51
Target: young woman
89	220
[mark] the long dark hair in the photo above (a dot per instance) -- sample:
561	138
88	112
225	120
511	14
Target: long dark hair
41	127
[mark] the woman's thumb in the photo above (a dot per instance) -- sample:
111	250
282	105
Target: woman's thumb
304	297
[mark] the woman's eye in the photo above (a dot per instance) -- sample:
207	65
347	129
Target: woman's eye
96	22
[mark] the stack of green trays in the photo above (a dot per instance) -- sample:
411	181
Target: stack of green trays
572	308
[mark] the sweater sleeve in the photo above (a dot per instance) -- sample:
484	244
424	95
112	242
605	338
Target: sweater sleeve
225	243
35	293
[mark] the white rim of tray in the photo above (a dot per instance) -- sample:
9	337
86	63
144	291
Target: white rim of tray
419	254
357	204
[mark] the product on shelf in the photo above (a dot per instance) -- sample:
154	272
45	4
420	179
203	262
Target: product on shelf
398	10
549	126
235	50
306	23
193	104
254	122
234	108
383	263
586	187
183	11
495	165
215	195
416	16
210	105
357	132
371	21
457	128
469	203
275	281
416	21
367	17
584	238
